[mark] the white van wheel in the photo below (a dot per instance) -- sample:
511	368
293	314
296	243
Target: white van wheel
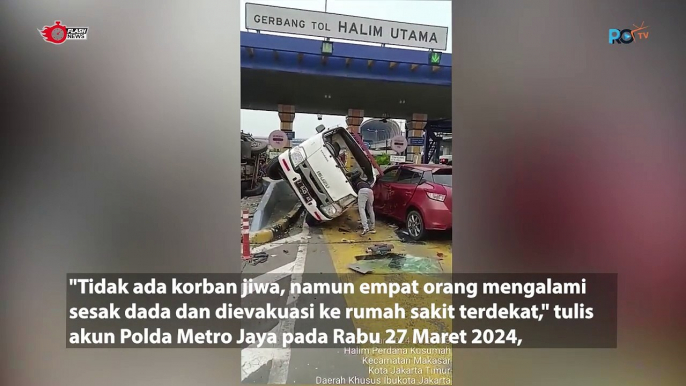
274	169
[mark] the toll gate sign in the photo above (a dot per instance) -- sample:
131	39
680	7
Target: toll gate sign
399	143
278	139
271	18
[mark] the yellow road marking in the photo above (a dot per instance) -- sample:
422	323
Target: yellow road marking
343	247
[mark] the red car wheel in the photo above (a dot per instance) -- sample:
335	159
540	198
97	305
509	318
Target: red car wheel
415	225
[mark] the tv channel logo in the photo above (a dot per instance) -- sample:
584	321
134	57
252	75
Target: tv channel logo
627	36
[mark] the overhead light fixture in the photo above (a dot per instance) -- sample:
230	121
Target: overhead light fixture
327	48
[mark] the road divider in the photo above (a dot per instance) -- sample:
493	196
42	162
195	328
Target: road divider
278	228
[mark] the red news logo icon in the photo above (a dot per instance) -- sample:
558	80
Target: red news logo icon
627	36
59	33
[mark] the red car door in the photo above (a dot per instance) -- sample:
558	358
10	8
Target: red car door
382	190
401	192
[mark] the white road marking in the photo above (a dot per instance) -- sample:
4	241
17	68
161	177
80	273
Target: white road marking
253	358
279	371
274	330
302	236
276	274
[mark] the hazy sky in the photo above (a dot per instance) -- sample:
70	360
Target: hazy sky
261	123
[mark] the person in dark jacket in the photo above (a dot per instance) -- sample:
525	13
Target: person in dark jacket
365	204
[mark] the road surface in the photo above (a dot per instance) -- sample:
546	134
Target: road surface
329	249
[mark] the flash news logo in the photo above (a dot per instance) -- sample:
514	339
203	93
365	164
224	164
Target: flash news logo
58	33
627	36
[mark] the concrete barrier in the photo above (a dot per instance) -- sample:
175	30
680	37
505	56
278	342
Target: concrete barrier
268	234
277	192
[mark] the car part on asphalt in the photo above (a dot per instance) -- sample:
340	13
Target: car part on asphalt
397	262
378	254
360	268
380	249
258	258
394	262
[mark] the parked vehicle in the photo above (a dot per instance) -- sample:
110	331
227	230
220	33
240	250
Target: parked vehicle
446	159
250	147
316	173
253	154
420	196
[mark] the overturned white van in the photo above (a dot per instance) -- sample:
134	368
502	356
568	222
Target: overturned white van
318	176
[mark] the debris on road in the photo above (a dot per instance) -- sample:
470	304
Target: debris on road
397	262
251	203
359	268
394	262
405	237
439	255
343	230
380	256
380	249
258	258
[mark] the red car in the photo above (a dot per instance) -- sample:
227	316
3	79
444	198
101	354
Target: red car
421	196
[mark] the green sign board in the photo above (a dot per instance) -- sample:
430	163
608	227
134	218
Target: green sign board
435	58
327	48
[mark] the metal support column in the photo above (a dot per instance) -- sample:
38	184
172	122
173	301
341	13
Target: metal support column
416	126
286	116
353	120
